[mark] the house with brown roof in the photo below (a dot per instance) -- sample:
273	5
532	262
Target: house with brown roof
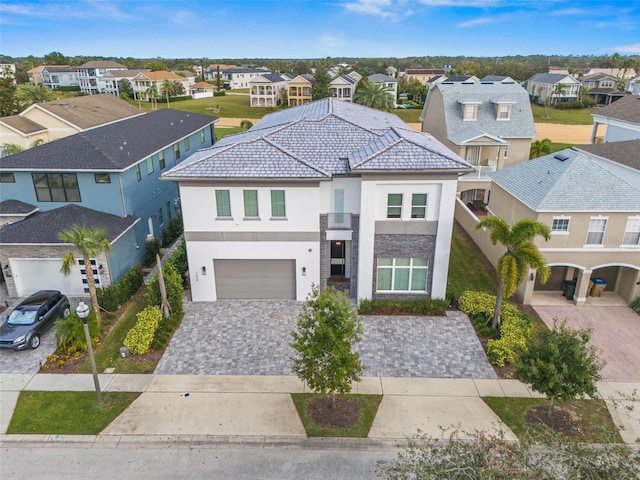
299	90
602	88
49	121
56	76
621	121
423	75
90	75
35	75
144	81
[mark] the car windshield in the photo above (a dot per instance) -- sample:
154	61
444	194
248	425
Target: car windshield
22	317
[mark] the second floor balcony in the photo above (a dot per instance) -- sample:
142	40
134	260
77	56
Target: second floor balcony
482	171
339	221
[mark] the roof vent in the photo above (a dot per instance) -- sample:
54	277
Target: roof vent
561	156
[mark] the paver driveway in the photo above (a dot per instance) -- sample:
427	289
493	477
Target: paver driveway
251	337
616	334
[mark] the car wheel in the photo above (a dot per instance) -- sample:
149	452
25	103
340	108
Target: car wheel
34	341
66	312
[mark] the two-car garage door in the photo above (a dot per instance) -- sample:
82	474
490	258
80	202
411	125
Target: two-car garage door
31	275
255	279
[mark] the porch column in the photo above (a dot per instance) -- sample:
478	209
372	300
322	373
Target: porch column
582	287
529	283
594	131
570	273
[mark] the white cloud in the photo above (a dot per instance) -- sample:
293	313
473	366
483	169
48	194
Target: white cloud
460	3
87	9
477	21
634	48
570	12
379	8
182	17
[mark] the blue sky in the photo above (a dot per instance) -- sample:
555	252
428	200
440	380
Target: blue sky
316	29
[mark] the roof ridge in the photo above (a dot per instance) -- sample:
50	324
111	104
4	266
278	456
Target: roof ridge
382	150
428	135
296	157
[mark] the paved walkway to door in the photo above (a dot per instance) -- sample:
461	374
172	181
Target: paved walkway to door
616	334
251	337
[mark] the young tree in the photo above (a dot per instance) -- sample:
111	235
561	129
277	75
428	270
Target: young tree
521	255
540	148
125	87
559	364
90	242
327	329
152	94
9	104
178	88
29	94
321	81
374	95
167	90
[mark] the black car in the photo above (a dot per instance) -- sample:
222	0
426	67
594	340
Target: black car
31	318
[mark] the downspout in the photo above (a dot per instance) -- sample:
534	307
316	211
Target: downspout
124	204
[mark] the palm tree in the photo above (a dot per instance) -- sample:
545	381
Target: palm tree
374	95
152	94
9	149
521	255
167	89
90	242
539	148
29	94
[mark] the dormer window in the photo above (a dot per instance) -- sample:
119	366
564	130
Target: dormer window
504	112
470	112
503	107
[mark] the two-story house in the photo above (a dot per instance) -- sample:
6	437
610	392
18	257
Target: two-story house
343	87
422	75
299	90
145	82
114	170
56	76
325	193
391	85
112	78
602	88
593	211
267	90
47	121
240	77
553	88
90	75
619	120
489	124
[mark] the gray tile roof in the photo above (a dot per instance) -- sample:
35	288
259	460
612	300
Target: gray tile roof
244	70
626	108
270	77
318	140
381	78
550	78
578	184
16	207
625	152
101	64
43	227
521	124
113	147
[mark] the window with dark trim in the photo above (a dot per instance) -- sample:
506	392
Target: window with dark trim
176	151
56	187
102	177
161	161
150	165
187	144
138	173
7	177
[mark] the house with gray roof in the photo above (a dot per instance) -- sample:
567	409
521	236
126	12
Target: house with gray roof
620	121
489	124
550	88
593	211
267	90
91	75
240	77
391	84
343	87
113	169
56	76
326	193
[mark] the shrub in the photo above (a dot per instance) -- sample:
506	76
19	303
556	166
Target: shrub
69	88
173	231
112	297
152	247
165	330
514	333
635	305
173	284
479	306
431	307
140	337
572	105
179	259
70	332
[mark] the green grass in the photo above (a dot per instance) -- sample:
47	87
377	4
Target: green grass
107	354
593	413
361	429
408	115
469	269
229	106
556	147
67	413
566	117
224	131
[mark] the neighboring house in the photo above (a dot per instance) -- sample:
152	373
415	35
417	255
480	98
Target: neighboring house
49	121
91	75
621	121
624	73
299	90
343	87
267	90
143	82
328	193
633	86
436	79
35	75
113	169
488	124
391	71
56	76
602	88
553	87
239	77
391	84
12	211
201	90
8	69
619	157
423	75
497	78
463	79
111	79
593	214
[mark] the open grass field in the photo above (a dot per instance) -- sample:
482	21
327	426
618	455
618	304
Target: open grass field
565	117
232	106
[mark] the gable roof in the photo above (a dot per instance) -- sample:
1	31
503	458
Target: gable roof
626	108
624	152
577	184
22	125
317	140
268	77
60	68
343	79
15	208
160	75
551	78
114	147
381	78
101	64
43	227
88	111
128	73
485	95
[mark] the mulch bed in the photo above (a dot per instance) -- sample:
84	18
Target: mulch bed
345	413
561	420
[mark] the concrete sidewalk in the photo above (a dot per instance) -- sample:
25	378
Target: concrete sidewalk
197	406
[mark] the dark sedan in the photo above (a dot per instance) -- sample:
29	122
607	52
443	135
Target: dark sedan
31	318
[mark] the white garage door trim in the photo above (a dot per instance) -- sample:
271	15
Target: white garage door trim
33	274
255	279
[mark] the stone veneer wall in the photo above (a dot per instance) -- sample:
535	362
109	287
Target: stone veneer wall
324	252
403	246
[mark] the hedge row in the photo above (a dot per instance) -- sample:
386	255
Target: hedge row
112	297
432	307
140	337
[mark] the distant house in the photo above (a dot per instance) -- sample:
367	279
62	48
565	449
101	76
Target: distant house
423	75
8	69
299	90
267	90
239	77
621	121
90	75
343	87
602	88
56	76
624	73
201	90
391	84
553	87
47	121
633	86
112	78
463	79
114	170
35	75
488	124
144	81
497	78
594	215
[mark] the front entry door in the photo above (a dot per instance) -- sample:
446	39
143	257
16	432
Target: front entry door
338	258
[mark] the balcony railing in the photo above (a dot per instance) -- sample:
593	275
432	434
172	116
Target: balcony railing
339	221
482	171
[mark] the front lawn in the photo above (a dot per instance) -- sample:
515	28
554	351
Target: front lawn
224	131
408	115
580	116
67	413
228	106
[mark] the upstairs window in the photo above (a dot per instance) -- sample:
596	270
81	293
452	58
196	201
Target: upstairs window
161	162
394	205
176	152
138	173
56	187
223	203
187	144
278	209
102	177
560	225
250	203
419	205
149	165
504	112
470	112
202	136
597	227
7	177
632	232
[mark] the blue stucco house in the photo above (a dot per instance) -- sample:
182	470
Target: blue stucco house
114	170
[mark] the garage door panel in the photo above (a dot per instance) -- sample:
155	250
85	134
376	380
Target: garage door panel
31	275
255	279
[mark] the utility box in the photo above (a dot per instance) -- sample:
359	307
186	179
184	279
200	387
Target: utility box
124	352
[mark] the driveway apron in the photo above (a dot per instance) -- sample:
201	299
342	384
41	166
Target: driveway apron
251	337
